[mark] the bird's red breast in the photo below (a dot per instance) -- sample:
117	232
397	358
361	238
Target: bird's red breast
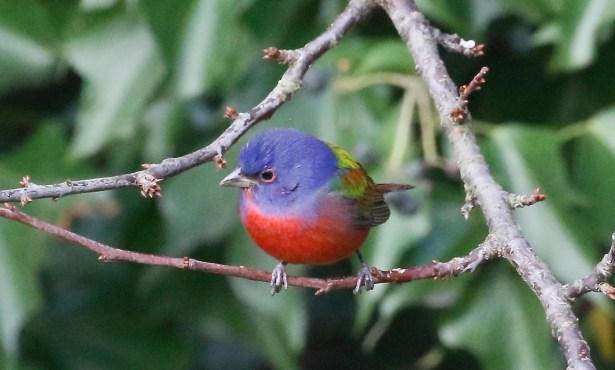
324	239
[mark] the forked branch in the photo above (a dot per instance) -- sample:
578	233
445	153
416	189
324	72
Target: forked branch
484	191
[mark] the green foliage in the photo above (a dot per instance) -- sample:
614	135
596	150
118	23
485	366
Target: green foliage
117	57
45	157
501	302
518	147
95	88
27	54
184	208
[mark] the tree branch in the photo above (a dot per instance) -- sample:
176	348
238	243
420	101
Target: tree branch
416	32
454	43
460	112
520	201
287	85
596	281
437	270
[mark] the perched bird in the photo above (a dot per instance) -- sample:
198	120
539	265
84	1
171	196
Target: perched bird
304	201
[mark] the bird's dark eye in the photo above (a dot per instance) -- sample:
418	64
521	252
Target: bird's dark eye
268	175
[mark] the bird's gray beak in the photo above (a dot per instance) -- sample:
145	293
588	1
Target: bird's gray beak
237	179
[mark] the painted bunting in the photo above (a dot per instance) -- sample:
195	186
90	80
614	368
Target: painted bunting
304	201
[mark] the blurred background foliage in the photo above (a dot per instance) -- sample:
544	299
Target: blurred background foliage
94	88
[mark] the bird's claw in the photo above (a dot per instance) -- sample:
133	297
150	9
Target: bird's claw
365	278
278	278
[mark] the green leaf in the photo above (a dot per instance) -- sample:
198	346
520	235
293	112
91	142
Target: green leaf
21	247
502	323
200	39
96	5
532	11
43	158
356	56
454	14
527	158
196	210
594	173
601	127
122	67
18	282
27	45
386	56
126	336
162	121
579	26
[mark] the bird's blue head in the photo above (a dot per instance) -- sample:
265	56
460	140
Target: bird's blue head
282	166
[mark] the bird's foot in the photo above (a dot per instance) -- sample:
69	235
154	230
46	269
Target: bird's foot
364	277
278	278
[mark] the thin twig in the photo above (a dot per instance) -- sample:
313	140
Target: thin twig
520	201
282	56
437	270
596	281
454	43
460	112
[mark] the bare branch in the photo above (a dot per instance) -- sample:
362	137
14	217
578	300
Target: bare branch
69	187
441	270
416	32
460	112
437	270
454	43
596	281
288	84
520	201
282	56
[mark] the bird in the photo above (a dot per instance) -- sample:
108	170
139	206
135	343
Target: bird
305	201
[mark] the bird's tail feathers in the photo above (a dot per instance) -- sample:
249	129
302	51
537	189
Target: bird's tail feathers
388	188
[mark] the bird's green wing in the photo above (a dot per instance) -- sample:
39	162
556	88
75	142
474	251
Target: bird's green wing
353	182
